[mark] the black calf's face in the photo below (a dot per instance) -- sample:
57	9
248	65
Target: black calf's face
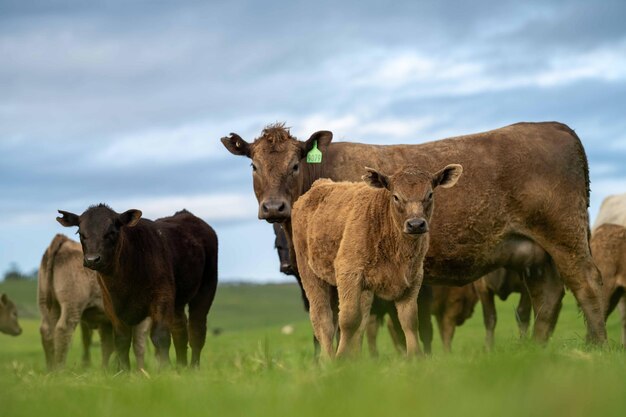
8	317
282	247
99	229
411	193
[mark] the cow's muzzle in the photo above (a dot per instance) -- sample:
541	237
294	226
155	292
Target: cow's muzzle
416	226
92	261
274	210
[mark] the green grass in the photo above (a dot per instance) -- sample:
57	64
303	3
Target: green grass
253	369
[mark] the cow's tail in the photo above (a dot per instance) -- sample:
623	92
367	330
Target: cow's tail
45	274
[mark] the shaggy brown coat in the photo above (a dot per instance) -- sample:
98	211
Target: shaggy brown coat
525	181
8	317
608	246
68	294
365	239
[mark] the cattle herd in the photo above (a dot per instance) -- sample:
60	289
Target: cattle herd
370	232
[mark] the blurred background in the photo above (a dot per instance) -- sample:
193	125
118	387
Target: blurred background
125	102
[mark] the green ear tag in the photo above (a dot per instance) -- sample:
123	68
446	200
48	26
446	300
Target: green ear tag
315	155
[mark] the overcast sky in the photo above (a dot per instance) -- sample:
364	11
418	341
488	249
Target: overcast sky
125	103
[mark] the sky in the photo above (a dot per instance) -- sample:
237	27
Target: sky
124	102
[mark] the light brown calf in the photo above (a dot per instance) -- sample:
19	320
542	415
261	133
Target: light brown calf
365	239
8	317
69	294
608	247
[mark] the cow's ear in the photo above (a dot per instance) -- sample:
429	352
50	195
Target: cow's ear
68	219
448	176
375	179
323	139
129	218
236	145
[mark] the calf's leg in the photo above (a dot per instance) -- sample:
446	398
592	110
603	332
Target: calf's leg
424	300
107	343
622	312
522	313
546	292
180	337
407	314
349	288
63	331
372	332
139	342
86	336
48	323
490	317
123	337
320	310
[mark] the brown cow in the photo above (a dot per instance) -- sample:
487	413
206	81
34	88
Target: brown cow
365	239
68	294
8	317
380	308
525	182
608	246
151	269
451	307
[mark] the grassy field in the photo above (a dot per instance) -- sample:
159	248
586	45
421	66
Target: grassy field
252	369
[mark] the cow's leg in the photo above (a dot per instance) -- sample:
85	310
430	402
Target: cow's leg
546	292
139	342
199	308
407	314
395	331
490	316
321	311
579	273
123	337
180	336
372	333
63	331
622	312
522	313
367	297
106	343
48	323
424	301
86	336
161	338
349	289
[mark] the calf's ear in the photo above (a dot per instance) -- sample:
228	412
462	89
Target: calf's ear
375	179
130	217
236	145
3	299
448	176
68	219
323	139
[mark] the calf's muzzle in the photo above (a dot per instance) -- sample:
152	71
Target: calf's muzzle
415	226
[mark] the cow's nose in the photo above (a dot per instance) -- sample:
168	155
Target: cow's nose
274	210
416	226
91	260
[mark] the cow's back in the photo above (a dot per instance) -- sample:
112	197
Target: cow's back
612	210
516	179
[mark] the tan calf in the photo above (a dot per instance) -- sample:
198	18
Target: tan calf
69	294
608	247
365	239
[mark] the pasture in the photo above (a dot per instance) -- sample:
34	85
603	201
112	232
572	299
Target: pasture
252	369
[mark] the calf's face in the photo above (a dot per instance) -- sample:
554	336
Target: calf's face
411	193
99	229
282	247
8	317
278	159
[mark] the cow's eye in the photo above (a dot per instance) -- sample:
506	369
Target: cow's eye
109	235
429	196
296	167
253	167
82	236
